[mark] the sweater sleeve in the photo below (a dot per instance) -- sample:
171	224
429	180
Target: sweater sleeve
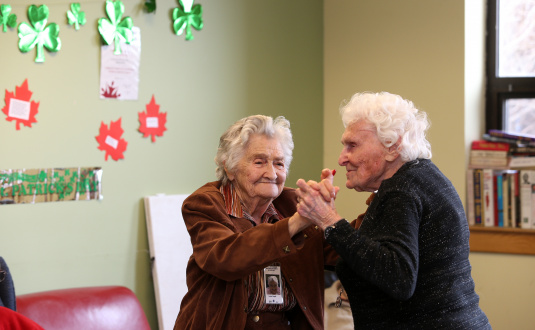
384	251
231	248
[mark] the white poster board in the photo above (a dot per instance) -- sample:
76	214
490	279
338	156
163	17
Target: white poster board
170	249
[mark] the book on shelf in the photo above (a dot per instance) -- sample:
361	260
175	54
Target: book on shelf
475	153
522	150
521	161
478	193
489	162
532	225
488	197
526	199
470	203
489	138
516	199
498	198
506	202
511	198
513	137
490	145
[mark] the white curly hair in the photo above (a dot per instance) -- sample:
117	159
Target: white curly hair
393	117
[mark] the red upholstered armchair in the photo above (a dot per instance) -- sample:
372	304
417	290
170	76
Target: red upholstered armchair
102	308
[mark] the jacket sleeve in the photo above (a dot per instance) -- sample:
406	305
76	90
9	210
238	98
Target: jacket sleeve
229	248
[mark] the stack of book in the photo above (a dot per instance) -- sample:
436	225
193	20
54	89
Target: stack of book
501	181
522	147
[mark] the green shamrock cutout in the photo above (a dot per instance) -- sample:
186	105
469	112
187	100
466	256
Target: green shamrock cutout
6	18
75	16
115	29
40	34
184	19
150	6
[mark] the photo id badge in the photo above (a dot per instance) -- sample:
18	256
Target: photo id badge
273	284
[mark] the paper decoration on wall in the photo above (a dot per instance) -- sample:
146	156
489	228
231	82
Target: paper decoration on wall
186	17
75	16
150	6
152	122
6	18
110	141
50	185
19	107
110	91
119	74
115	30
40	35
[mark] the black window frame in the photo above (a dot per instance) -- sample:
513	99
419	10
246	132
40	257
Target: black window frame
498	89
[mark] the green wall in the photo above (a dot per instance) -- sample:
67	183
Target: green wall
251	57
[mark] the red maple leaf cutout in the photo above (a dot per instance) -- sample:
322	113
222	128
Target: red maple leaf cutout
110	92
18	106
152	122
110	140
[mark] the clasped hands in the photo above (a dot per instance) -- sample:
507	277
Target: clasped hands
316	200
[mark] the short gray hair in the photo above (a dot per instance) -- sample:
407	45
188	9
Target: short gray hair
233	142
393	117
273	278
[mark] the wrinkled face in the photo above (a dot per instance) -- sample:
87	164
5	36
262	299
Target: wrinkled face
260	175
364	157
273	287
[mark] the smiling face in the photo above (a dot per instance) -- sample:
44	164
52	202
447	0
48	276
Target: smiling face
273	286
260	174
367	161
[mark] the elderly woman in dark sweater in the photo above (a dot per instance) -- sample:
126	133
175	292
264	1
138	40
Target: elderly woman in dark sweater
406	265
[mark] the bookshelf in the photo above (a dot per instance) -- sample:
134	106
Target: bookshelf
502	240
495	155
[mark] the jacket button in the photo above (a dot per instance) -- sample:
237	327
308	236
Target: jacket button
286	249
256	318
306	236
305	308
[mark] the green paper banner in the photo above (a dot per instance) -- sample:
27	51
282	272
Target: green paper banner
50	185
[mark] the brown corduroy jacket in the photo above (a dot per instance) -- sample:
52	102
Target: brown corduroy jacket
227	249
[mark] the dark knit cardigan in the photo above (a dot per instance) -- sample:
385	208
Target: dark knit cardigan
407	265
7	289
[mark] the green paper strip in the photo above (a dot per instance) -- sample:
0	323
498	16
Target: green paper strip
50	185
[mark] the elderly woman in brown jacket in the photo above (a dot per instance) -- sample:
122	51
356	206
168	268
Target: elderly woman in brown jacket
244	228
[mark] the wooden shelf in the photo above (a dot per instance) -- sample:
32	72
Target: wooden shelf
502	240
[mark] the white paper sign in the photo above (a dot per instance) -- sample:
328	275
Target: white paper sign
19	109
119	74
